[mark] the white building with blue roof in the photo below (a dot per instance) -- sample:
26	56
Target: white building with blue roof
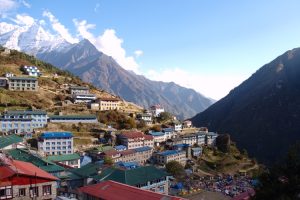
56	143
23	121
162	158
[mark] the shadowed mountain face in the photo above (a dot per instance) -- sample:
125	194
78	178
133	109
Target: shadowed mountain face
262	115
85	61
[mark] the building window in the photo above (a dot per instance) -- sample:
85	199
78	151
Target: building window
5	193
22	192
34	191
47	190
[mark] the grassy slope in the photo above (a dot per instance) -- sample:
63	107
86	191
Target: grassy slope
51	89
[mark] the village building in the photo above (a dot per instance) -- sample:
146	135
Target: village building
79	90
169	133
138	155
10	142
211	138
83	98
111	190
94	106
3	82
26	155
22	84
31	70
22	121
73	119
56	143
187	124
146	117
135	139
177	126
147	178
158	137
196	152
109	103
24	181
162	158
156	110
70	160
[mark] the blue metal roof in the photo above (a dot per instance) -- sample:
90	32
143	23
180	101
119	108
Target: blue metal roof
167	129
181	145
120	147
56	135
169	152
141	149
157	133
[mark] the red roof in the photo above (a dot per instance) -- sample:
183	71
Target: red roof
112	190
148	137
16	167
132	134
111	152
127	152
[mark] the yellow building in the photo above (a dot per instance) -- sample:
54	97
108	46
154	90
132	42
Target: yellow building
109	103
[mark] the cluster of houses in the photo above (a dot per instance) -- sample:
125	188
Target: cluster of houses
55	169
131	168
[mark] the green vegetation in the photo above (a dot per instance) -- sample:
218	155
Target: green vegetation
175	168
215	161
283	180
116	119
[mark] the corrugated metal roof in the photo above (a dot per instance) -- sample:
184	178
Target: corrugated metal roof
113	191
141	149
25	112
169	152
63	157
132	177
22	78
56	135
53	117
9	140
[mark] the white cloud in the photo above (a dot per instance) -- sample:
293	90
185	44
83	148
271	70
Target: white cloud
97	7
6	6
23	20
211	85
59	28
138	53
108	43
26	4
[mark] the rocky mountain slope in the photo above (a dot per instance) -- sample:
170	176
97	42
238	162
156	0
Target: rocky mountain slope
262	114
85	61
103	71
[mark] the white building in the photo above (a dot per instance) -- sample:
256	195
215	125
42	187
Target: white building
56	143
31	70
156	110
164	157
83	98
135	139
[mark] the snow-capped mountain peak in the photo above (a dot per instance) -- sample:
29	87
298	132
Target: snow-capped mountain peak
31	39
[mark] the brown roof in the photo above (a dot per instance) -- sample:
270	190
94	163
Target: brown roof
132	134
148	137
127	152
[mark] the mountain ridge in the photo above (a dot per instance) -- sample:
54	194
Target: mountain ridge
261	109
84	60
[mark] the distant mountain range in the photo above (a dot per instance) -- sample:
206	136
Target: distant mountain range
85	61
262	115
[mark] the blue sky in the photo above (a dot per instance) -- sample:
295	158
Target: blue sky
210	46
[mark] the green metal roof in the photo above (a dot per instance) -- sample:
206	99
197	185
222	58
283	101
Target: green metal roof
63	157
72	116
9	140
79	88
85	171
23	78
25	112
132	177
26	156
